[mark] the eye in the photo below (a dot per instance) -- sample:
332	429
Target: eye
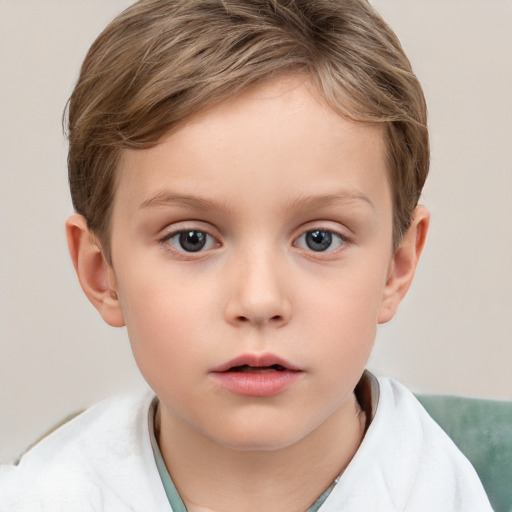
190	240
320	240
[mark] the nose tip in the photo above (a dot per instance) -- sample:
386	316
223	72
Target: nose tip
259	311
259	296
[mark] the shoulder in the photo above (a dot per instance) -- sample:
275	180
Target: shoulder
406	462
91	461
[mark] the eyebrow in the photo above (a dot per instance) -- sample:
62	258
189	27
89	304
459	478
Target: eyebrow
325	200
165	198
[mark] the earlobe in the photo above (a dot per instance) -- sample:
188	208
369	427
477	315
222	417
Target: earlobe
96	276
403	264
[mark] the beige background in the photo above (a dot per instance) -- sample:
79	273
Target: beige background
453	333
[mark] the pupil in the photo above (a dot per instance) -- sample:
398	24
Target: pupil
318	240
192	241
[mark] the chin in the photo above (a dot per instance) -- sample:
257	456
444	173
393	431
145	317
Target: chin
262	439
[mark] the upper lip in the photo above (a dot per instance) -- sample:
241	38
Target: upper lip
256	361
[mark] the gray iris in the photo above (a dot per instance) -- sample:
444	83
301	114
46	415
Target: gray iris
318	240
192	241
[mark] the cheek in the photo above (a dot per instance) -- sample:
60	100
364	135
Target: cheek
349	330
342	317
348	298
162	315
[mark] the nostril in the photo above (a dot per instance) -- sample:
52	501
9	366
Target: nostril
273	319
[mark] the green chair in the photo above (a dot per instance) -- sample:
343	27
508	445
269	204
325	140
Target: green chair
482	429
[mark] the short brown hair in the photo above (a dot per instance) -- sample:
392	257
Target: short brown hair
161	61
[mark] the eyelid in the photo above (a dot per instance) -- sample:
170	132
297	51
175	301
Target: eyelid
182	227
209	242
325	225
340	237
345	239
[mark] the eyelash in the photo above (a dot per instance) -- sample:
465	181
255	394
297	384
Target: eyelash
333	237
210	242
199	233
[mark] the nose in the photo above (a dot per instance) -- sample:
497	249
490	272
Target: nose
259	295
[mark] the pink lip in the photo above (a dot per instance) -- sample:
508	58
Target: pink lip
256	360
256	375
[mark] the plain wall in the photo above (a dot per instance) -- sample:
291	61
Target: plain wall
452	335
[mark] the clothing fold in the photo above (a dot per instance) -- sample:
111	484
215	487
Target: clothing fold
103	460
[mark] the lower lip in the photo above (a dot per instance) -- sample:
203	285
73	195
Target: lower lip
260	384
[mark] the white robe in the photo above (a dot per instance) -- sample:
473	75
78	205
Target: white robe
102	461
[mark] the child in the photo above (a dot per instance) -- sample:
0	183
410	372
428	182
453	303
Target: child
246	177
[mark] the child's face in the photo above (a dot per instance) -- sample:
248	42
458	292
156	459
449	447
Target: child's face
261	228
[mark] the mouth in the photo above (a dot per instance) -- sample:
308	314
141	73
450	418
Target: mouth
256	363
245	368
256	375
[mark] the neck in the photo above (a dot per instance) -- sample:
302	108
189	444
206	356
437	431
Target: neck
212	477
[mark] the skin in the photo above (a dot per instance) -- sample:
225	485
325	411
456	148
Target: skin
256	174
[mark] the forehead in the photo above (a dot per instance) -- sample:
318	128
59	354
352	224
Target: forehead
280	135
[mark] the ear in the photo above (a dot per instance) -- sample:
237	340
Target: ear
403	264
96	276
